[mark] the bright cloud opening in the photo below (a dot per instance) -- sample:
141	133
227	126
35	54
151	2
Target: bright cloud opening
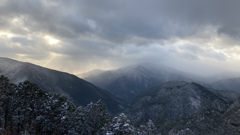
51	41
9	35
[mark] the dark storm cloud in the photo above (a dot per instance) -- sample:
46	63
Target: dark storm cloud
161	19
40	16
120	20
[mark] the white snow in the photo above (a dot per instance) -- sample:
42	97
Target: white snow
195	102
10	68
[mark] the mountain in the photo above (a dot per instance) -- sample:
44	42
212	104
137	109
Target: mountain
126	83
231	118
176	103
91	73
212	122
79	91
228	84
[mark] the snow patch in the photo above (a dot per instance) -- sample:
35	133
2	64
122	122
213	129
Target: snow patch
195	102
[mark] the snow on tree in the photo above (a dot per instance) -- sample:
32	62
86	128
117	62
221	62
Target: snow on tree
147	129
186	131
120	126
26	109
91	119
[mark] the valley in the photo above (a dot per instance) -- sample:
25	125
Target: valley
172	100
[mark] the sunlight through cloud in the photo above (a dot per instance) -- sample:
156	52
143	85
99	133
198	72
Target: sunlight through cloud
51	41
6	34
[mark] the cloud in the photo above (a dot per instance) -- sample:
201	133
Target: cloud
119	21
109	34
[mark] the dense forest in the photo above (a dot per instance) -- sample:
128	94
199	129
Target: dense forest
26	109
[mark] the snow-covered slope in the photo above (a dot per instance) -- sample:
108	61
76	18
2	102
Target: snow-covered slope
126	83
79	91
11	68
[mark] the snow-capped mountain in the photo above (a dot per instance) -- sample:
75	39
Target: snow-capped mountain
78	90
126	83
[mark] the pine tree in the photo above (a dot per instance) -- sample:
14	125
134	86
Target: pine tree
91	119
147	129
26	109
6	102
120	126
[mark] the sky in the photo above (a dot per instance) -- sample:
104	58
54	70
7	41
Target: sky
76	36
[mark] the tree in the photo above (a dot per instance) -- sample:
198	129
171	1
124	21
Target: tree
147	129
26	109
120	126
6	102
91	119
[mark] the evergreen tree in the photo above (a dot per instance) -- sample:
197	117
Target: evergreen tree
91	119
147	129
120	126
6	103
26	109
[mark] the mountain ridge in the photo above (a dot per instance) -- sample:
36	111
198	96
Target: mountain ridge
126	83
177	100
78	90
232	84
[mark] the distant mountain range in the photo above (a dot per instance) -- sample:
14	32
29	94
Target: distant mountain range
168	97
77	90
173	104
126	83
228	84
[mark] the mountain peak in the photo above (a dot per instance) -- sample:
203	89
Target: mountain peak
126	83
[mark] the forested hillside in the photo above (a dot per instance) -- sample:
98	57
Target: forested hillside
26	109
78	91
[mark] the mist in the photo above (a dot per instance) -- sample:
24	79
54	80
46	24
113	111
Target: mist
200	37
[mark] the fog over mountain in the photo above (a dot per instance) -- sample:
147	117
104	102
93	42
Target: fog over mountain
126	83
200	37
172	63
232	84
